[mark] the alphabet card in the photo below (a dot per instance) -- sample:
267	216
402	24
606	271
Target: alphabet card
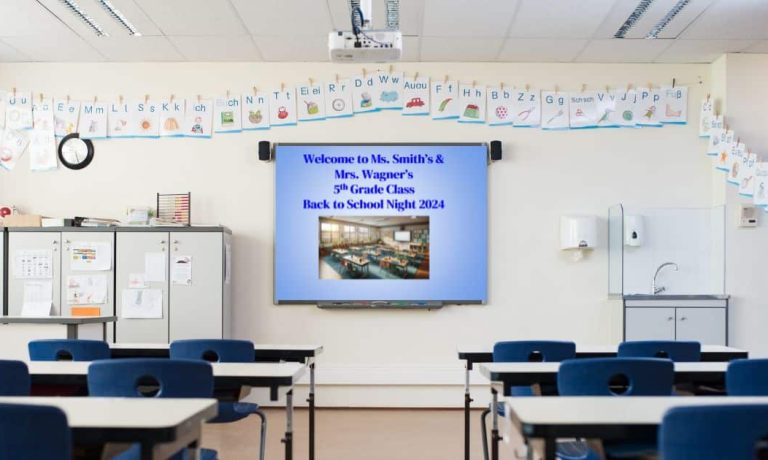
42	140
760	192
706	114
282	107
626	108
583	110
605	103
747	175
499	102
66	115
389	90
255	111
13	142
716	136
198	118
724	150
554	110
416	96
735	159
42	115
363	89
472	104
675	102
311	105
171	117
649	102
226	114
526	108
18	110
93	120
117	120
444	99
144	118
338	99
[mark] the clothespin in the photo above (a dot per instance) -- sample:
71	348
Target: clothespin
199	98
557	89
95	99
416	76
583	87
473	84
14	92
446	79
227	94
707	97
311	82
41	98
172	97
673	82
501	85
120	98
337	78
254	91
607	88
527	87
650	85
629	86
391	68
282	87
146	98
364	72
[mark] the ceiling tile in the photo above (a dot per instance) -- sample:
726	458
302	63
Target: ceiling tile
623	50
685	18
100	15
10	54
468	18
217	48
411	15
551	19
194	17
52	48
301	49
540	50
25	18
731	19
701	50
657	9
136	48
284	17
460	49
758	47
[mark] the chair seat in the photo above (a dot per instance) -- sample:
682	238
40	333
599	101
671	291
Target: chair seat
134	453
575	450
629	449
234	411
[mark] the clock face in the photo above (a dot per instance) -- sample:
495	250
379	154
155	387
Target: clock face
75	153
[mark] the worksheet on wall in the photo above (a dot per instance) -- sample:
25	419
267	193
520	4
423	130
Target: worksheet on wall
154	267
181	270
38	298
86	289
88	256
142	303
33	263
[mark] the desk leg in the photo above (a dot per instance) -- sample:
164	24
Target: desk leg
467	401
288	440
311	401
550	449
495	430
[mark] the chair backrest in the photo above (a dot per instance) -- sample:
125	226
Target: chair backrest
14	378
150	378
214	350
679	351
68	350
747	377
533	351
616	377
714	432
31	432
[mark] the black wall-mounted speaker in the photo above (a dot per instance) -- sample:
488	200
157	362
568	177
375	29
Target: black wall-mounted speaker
265	152
495	150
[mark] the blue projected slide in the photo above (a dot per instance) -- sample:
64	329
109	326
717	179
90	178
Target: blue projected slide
391	222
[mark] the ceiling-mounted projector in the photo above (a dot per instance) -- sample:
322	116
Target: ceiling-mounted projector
363	44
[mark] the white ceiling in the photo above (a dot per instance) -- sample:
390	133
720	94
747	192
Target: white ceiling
435	30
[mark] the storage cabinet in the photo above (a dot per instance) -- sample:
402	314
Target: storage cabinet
702	324
650	324
700	318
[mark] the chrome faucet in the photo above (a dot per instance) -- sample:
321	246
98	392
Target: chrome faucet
660	289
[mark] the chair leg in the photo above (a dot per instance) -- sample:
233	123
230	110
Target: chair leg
263	442
484	430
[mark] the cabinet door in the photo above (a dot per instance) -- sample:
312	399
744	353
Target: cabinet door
74	239
132	248
650	324
705	325
196	308
48	245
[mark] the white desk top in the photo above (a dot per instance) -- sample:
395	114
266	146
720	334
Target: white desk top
126	413
486	369
606	410
257	346
597	349
56	319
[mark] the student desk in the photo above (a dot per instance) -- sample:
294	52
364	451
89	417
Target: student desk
473	354
161	426
603	417
526	374
226	375
17	331
262	353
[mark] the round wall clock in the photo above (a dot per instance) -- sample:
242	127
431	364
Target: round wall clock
75	153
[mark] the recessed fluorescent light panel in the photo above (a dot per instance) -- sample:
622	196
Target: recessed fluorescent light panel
656	30
120	17
80	13
635	16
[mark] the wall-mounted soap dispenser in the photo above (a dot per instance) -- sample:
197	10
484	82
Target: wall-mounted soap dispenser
578	233
634	231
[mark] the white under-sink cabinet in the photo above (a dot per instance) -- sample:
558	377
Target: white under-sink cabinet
700	318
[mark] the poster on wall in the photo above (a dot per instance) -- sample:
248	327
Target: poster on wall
118	120
554	110
66	114
255	113
93	120
338	99
18	110
747	175
716	136
282	107
13	143
760	191
675	102
144	116
416	96
311	102
706	114
42	140
171	117
444	99
363	89
226	114
724	150
471	103
583	110
626	108
526	108
499	105
198	118
735	160
390	87
605	107
649	101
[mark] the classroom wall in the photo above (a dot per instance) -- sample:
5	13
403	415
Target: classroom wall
535	290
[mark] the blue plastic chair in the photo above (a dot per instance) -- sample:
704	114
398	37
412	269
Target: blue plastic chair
31	432
613	377
152	378
678	351
68	350
14	378
747	377
224	351
714	432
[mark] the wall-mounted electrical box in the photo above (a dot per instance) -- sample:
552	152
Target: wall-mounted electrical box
747	216
634	231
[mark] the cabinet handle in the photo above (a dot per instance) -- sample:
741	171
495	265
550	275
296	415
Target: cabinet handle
175	241
683	318
67	241
55	242
670	318
162	242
